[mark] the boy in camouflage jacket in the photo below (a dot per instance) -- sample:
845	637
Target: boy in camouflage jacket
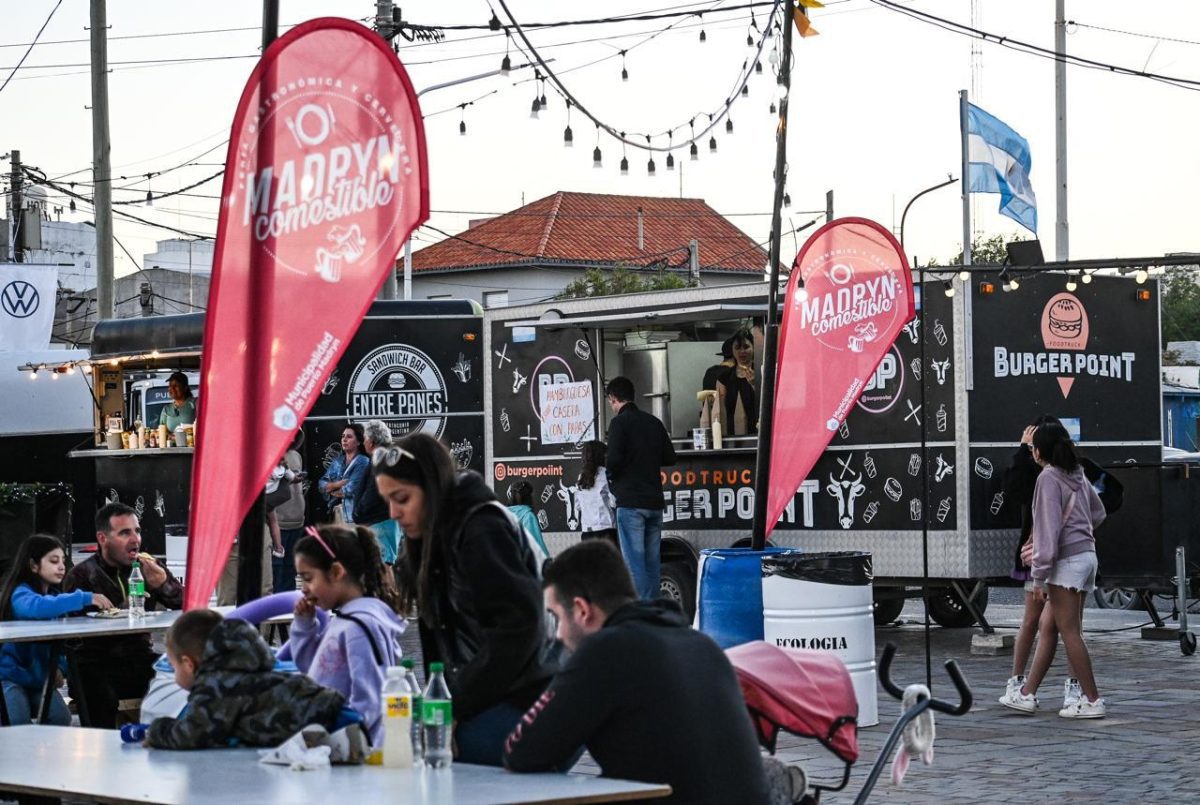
234	693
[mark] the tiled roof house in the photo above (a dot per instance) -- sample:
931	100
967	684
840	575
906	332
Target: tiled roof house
531	253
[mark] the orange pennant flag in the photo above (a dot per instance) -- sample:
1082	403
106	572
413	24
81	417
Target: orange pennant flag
802	25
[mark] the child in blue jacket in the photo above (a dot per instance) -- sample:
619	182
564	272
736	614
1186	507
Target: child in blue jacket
31	592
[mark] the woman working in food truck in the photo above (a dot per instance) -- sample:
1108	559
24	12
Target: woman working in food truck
182	408
736	389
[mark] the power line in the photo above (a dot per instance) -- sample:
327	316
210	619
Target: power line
1033	50
1158	37
31	44
180	60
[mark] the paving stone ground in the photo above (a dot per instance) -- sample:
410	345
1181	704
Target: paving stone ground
1144	751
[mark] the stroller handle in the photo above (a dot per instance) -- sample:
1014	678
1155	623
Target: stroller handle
964	690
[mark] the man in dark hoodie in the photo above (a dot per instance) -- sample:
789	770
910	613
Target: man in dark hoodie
234	691
652	699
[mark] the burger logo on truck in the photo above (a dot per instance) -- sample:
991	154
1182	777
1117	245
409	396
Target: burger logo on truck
402	386
1065	334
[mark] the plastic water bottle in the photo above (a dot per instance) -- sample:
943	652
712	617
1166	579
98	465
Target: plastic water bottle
418	735
437	718
137	591
397	720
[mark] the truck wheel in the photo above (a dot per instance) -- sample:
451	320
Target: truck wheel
1117	598
948	610
887	608
678	584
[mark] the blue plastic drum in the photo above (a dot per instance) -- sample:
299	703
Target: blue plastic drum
730	604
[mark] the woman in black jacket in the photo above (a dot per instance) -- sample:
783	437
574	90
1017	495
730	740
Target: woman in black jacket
469	572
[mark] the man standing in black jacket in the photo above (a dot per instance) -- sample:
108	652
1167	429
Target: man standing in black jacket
652	699
638	445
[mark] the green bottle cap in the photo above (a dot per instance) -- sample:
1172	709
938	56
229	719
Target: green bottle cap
407	663
436	667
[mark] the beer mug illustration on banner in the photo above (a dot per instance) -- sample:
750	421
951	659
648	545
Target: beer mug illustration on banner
893	490
854	343
870	512
914	509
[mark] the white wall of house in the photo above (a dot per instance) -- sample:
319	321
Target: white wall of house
523	285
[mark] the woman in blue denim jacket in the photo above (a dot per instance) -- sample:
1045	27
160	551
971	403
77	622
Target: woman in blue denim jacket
345	476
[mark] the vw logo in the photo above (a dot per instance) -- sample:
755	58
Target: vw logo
20	299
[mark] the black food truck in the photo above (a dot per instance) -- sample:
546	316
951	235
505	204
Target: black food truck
921	457
415	365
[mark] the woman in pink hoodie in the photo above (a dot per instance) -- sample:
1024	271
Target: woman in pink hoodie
1066	510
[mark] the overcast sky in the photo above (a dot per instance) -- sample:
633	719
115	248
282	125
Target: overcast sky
874	111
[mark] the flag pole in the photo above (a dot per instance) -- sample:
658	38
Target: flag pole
762	468
966	175
1062	248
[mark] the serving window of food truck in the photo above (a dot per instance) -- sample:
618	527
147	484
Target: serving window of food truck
146	467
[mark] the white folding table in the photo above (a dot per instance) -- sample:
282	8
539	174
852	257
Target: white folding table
94	764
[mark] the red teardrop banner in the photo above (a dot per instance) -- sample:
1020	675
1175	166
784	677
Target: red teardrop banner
856	297
325	178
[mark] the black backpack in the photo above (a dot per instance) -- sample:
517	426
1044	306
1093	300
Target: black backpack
1110	490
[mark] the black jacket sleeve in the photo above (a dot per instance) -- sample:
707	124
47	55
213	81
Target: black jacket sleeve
579	700
209	721
507	599
1020	477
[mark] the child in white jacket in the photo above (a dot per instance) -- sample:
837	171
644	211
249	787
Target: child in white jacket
595	501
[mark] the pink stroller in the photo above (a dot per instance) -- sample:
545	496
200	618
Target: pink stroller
809	694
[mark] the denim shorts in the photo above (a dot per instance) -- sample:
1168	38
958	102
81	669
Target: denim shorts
1076	572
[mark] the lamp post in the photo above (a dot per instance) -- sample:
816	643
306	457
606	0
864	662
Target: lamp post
949	181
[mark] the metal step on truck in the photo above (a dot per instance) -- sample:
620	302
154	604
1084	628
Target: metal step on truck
915	475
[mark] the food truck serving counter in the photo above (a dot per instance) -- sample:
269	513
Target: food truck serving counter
129	357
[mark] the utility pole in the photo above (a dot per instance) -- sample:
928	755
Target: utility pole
1062	241
694	261
15	211
101	168
828	206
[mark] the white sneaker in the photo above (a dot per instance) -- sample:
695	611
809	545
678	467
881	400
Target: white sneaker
1022	702
1071	693
1014	684
1084	709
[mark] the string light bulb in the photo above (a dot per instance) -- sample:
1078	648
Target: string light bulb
650	166
624	70
535	109
729	125
505	65
149	197
787	200
670	162
1086	278
1141	276
949	289
568	137
758	67
703	36
494	23
596	158
773	109
745	90
964	275
624	165
1071	286
712	144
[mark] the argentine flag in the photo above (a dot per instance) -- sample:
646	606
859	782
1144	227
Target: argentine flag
999	163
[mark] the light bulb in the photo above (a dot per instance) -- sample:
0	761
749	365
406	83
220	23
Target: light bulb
949	289
781	91
964	275
1087	279
596	160
1013	284
1141	276
1071	284
670	162
624	166
568	137
33	375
